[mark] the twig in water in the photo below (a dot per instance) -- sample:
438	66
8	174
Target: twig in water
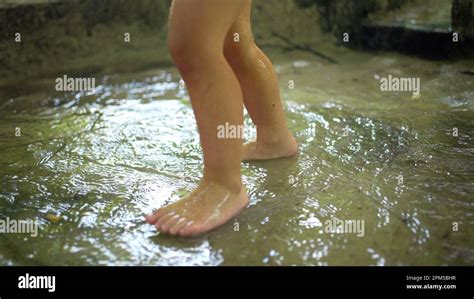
303	47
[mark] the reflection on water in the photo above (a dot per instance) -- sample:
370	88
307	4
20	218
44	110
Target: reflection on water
100	161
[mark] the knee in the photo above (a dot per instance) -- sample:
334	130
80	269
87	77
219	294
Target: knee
237	50
180	51
189	54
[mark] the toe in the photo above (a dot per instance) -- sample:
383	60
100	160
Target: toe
163	219
168	224
183	230
178	225
191	228
153	217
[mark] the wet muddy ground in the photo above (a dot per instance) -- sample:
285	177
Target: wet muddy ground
400	164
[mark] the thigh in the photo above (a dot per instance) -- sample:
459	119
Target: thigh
203	21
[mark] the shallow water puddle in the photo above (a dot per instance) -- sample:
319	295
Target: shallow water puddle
98	162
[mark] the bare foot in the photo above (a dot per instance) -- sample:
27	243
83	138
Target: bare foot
274	147
207	207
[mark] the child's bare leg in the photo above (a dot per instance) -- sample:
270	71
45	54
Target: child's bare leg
196	40
261	92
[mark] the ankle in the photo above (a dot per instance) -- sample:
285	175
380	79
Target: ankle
270	136
233	185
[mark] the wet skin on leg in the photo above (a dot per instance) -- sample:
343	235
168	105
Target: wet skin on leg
220	76
197	31
261	92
